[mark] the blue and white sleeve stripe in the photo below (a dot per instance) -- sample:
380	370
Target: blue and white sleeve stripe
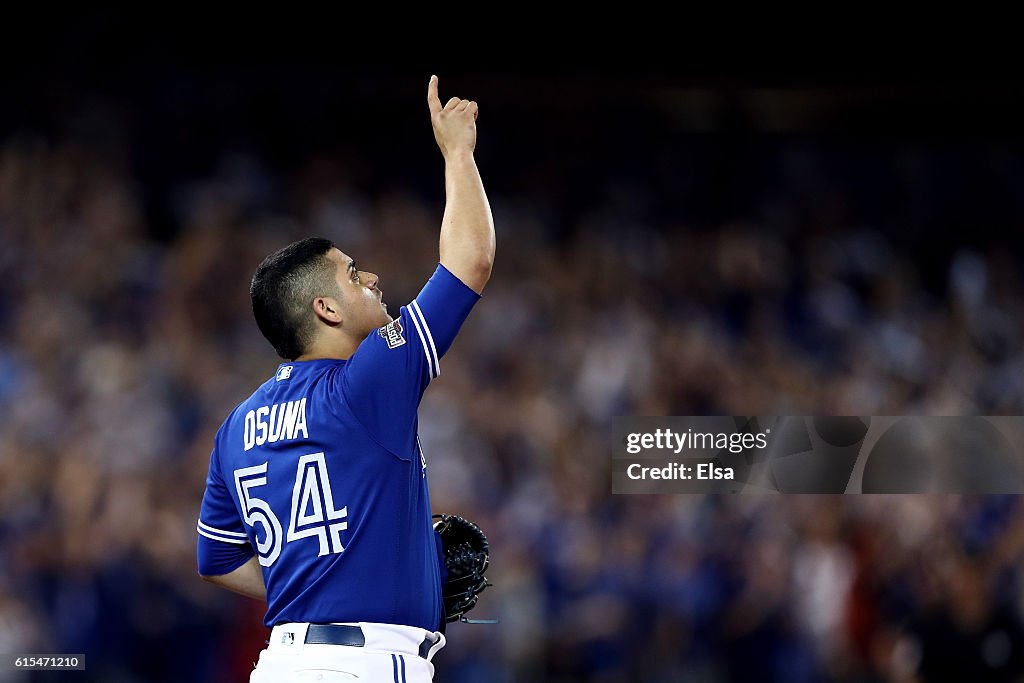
426	339
220	534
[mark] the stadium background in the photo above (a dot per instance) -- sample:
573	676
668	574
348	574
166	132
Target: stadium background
672	240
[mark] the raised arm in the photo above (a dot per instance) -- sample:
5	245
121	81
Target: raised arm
467	229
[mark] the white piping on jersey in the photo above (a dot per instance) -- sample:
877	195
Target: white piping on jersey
426	328
431	373
220	534
238	541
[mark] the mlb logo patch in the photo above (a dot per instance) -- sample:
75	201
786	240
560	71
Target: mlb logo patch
392	334
284	373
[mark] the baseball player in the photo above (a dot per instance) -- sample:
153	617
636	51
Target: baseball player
316	498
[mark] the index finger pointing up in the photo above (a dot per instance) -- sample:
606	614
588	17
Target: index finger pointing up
433	102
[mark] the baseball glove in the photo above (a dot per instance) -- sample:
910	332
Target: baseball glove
465	555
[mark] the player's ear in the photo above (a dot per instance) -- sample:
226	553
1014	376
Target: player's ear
327	309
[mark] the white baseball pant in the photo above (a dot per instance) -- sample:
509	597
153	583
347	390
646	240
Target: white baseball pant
388	654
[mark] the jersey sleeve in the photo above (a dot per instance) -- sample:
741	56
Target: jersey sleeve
222	545
387	375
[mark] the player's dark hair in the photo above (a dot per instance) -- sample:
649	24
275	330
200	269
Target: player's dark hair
283	290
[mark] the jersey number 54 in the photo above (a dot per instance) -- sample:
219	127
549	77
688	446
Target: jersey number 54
313	514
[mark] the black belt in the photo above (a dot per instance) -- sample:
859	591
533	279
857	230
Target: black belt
340	634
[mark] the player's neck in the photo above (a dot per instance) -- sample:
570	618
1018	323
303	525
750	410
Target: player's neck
335	348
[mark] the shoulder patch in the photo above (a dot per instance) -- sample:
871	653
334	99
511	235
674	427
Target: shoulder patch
284	373
392	334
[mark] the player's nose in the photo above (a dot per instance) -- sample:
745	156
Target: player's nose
372	279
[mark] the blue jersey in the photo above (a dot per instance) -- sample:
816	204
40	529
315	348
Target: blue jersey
320	474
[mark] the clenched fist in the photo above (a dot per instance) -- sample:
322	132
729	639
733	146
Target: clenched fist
454	124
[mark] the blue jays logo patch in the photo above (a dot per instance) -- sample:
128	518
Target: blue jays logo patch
392	334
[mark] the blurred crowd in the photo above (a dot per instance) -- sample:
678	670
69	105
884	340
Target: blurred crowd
122	347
